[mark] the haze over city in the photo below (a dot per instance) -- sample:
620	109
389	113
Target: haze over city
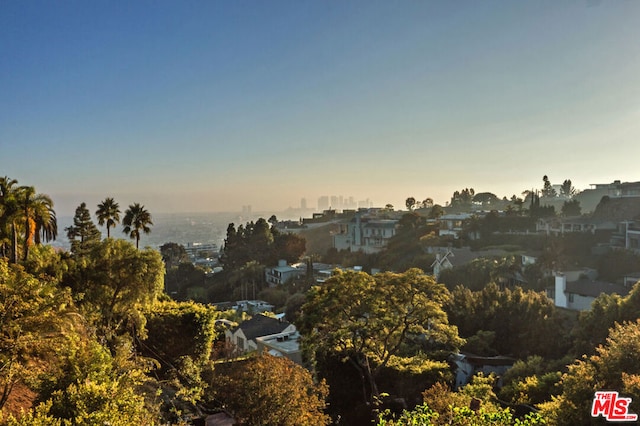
210	106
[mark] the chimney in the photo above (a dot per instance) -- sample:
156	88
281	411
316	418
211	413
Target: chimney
561	288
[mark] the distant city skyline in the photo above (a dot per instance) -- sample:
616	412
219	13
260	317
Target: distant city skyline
212	106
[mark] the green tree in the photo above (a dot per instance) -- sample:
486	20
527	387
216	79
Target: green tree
472	405
571	208
485	198
247	280
93	386
33	314
287	246
182	279
436	211
122	281
261	243
270	391
410	203
83	234
369	320
462	198
567	189
179	329
173	254
615	366
606	310
9	217
24	216
547	189
39	218
521	320
108	214
532	381
136	220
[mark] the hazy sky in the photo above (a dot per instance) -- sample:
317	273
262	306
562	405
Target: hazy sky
211	105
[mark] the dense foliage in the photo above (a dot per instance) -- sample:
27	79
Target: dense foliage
89	337
520	323
270	391
378	322
259	242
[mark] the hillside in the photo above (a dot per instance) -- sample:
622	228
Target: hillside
319	237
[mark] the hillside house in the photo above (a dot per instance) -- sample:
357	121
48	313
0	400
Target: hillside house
577	293
468	365
452	224
627	236
559	226
282	344
281	274
243	337
442	262
365	234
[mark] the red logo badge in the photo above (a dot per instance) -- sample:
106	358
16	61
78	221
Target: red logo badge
612	407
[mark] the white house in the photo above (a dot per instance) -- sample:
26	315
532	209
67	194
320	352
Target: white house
468	365
452	224
559	226
578	294
369	235
442	262
278	275
631	230
286	344
243	337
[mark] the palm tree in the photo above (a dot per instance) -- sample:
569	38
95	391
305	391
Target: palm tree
38	216
108	213
9	211
25	195
45	219
136	219
24	213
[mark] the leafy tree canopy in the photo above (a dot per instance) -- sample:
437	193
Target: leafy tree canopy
270	391
83	234
371	319
615	366
33	315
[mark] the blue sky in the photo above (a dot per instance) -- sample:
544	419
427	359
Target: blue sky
211	105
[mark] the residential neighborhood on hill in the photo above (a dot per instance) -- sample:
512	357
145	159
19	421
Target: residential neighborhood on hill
504	299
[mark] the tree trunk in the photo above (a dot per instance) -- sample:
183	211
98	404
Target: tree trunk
27	235
14	243
363	380
372	382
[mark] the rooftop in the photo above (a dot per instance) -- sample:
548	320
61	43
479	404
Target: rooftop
261	325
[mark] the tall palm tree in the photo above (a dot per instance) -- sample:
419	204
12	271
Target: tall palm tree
136	219
26	194
108	213
24	214
45	219
38	216
9	211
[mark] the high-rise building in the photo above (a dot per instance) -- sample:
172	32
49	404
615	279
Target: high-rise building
323	203
334	203
303	203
